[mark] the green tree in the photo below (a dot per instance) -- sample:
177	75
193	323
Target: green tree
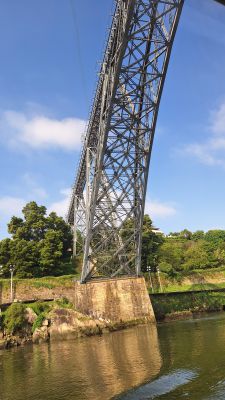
151	242
186	234
51	252
41	244
172	252
220	254
57	224
215	236
5	254
198	235
196	256
25	256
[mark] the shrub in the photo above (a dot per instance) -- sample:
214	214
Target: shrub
40	307
165	267
15	318
63	302
41	284
38	322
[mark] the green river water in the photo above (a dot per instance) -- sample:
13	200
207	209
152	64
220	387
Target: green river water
176	360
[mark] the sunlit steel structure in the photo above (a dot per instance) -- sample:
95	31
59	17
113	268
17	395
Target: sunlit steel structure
108	198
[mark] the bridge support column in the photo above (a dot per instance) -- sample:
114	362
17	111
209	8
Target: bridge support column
116	300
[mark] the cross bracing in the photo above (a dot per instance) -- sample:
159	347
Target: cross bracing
108	197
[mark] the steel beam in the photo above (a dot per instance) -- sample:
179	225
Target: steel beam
114	164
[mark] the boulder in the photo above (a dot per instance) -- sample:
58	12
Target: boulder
41	335
31	316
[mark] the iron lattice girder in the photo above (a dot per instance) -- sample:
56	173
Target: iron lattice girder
113	169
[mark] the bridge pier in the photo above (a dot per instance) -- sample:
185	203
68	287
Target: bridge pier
122	299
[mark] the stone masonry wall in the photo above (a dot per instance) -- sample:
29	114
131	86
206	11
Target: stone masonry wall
116	300
119	299
27	291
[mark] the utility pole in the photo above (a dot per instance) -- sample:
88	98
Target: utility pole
11	269
150	278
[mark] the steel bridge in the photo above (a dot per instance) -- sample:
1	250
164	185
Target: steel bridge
108	198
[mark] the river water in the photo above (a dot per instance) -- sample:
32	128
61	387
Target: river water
176	360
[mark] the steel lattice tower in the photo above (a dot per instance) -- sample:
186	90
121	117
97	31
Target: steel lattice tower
108	198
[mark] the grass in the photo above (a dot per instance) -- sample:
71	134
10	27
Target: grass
63	302
176	287
49	282
198	280
194	302
38	322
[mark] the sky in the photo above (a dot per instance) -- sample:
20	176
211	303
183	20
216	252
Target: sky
50	55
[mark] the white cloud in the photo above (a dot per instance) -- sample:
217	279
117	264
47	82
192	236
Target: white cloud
11	206
61	206
33	187
157	209
218	120
153	208
40	131
212	150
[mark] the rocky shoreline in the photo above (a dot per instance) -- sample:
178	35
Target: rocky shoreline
60	324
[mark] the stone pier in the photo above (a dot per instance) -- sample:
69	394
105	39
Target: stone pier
117	300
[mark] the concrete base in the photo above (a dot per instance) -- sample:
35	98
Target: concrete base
115	300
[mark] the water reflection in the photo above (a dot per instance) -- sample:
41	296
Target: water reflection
163	385
193	354
95	368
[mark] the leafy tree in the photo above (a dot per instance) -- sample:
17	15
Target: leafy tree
51	251
198	235
220	254
25	256
5	251
174	234
186	234
151	242
56	223
172	252
41	244
14	225
215	237
196	257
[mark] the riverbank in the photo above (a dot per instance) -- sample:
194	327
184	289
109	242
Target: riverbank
38	289
44	321
57	319
199	279
172	306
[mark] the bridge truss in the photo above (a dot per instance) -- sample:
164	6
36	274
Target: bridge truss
108	197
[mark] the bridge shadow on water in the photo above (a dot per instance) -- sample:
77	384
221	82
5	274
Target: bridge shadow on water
97	368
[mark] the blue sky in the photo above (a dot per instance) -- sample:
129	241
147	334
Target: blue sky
49	61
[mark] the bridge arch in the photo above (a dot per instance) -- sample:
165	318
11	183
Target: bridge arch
108	198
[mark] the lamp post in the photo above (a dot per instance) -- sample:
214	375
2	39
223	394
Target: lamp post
160	284
149	274
11	269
